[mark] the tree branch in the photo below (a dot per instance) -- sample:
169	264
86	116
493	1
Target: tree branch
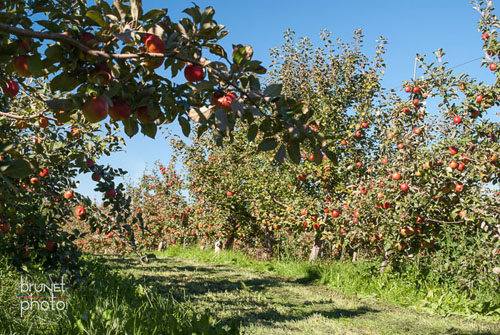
22	117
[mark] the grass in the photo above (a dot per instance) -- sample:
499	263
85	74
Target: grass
187	291
108	302
363	279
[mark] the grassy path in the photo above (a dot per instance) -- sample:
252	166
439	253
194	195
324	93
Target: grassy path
266	304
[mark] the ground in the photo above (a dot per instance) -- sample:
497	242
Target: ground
267	304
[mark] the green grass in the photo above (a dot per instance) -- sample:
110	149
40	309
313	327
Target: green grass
108	302
364	280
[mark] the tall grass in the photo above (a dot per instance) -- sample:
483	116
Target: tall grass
405	288
106	303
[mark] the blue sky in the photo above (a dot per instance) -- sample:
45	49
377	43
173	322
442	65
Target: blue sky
411	27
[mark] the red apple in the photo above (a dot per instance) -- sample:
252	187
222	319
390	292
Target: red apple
343	142
34	180
385	160
21	66
154	44
111	193
396	176
223	100
103	72
485	36
453	165
479	97
461	167
50	246
229	193
68	194
96	176
357	133
359	164
404	187
90	163
5	227
364	125
44	173
153	63
11	88
95	110
194	73
453	150
315	226
457	120
416	89
493	66
417	131
88	39
408	89
80	211
120	110
459	188
43	122
145	116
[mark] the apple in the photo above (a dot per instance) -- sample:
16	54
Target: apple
43	122
457	120
493	66
96	109
364	125
11	88
223	100
5	227
90	163
68	194
50	246
80	211
462	213
459	188
21	66
357	133
343	142
485	36
406	110
364	190
453	165
359	164
404	187
111	193
479	97
396	176
453	150
401	146
194	73
20	230
229	193
385	160
34	180
25	252
461	167
154	44
145	116
315	226
416	89
303	212
103	72
356	214
408	89
96	176
153	63
88	39
120	110
417	131
335	213
44	173
416	102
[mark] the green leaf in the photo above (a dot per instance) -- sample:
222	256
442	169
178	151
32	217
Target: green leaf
294	152
185	125
35	65
194	12
273	90
96	17
153	13
268	144
252	132
49	25
281	154
135	9
63	82
131	127
149	130
19	169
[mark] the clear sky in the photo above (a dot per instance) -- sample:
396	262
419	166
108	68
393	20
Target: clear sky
411	27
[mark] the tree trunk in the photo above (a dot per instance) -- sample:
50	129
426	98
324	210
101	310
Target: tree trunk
232	235
316	248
